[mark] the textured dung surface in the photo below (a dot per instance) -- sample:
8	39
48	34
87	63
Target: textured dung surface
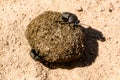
102	15
55	40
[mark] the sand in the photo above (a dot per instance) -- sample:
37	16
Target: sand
102	58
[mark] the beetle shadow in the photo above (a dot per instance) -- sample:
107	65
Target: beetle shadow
88	56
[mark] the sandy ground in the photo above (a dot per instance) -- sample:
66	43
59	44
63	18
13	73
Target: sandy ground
102	15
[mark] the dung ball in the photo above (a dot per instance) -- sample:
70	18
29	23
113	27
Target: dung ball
54	40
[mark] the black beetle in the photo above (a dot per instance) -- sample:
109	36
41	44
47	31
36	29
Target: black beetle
34	55
70	18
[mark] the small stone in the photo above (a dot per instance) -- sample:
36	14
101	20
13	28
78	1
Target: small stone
116	42
80	9
102	9
111	8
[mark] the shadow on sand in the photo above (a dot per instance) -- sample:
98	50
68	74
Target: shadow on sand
90	54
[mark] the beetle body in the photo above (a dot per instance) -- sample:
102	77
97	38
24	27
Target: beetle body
34	55
70	18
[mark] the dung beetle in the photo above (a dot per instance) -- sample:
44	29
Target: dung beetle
34	55
70	18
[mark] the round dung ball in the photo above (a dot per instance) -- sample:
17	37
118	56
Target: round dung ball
54	40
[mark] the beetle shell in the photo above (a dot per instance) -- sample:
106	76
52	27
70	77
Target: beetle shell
34	55
66	14
70	18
